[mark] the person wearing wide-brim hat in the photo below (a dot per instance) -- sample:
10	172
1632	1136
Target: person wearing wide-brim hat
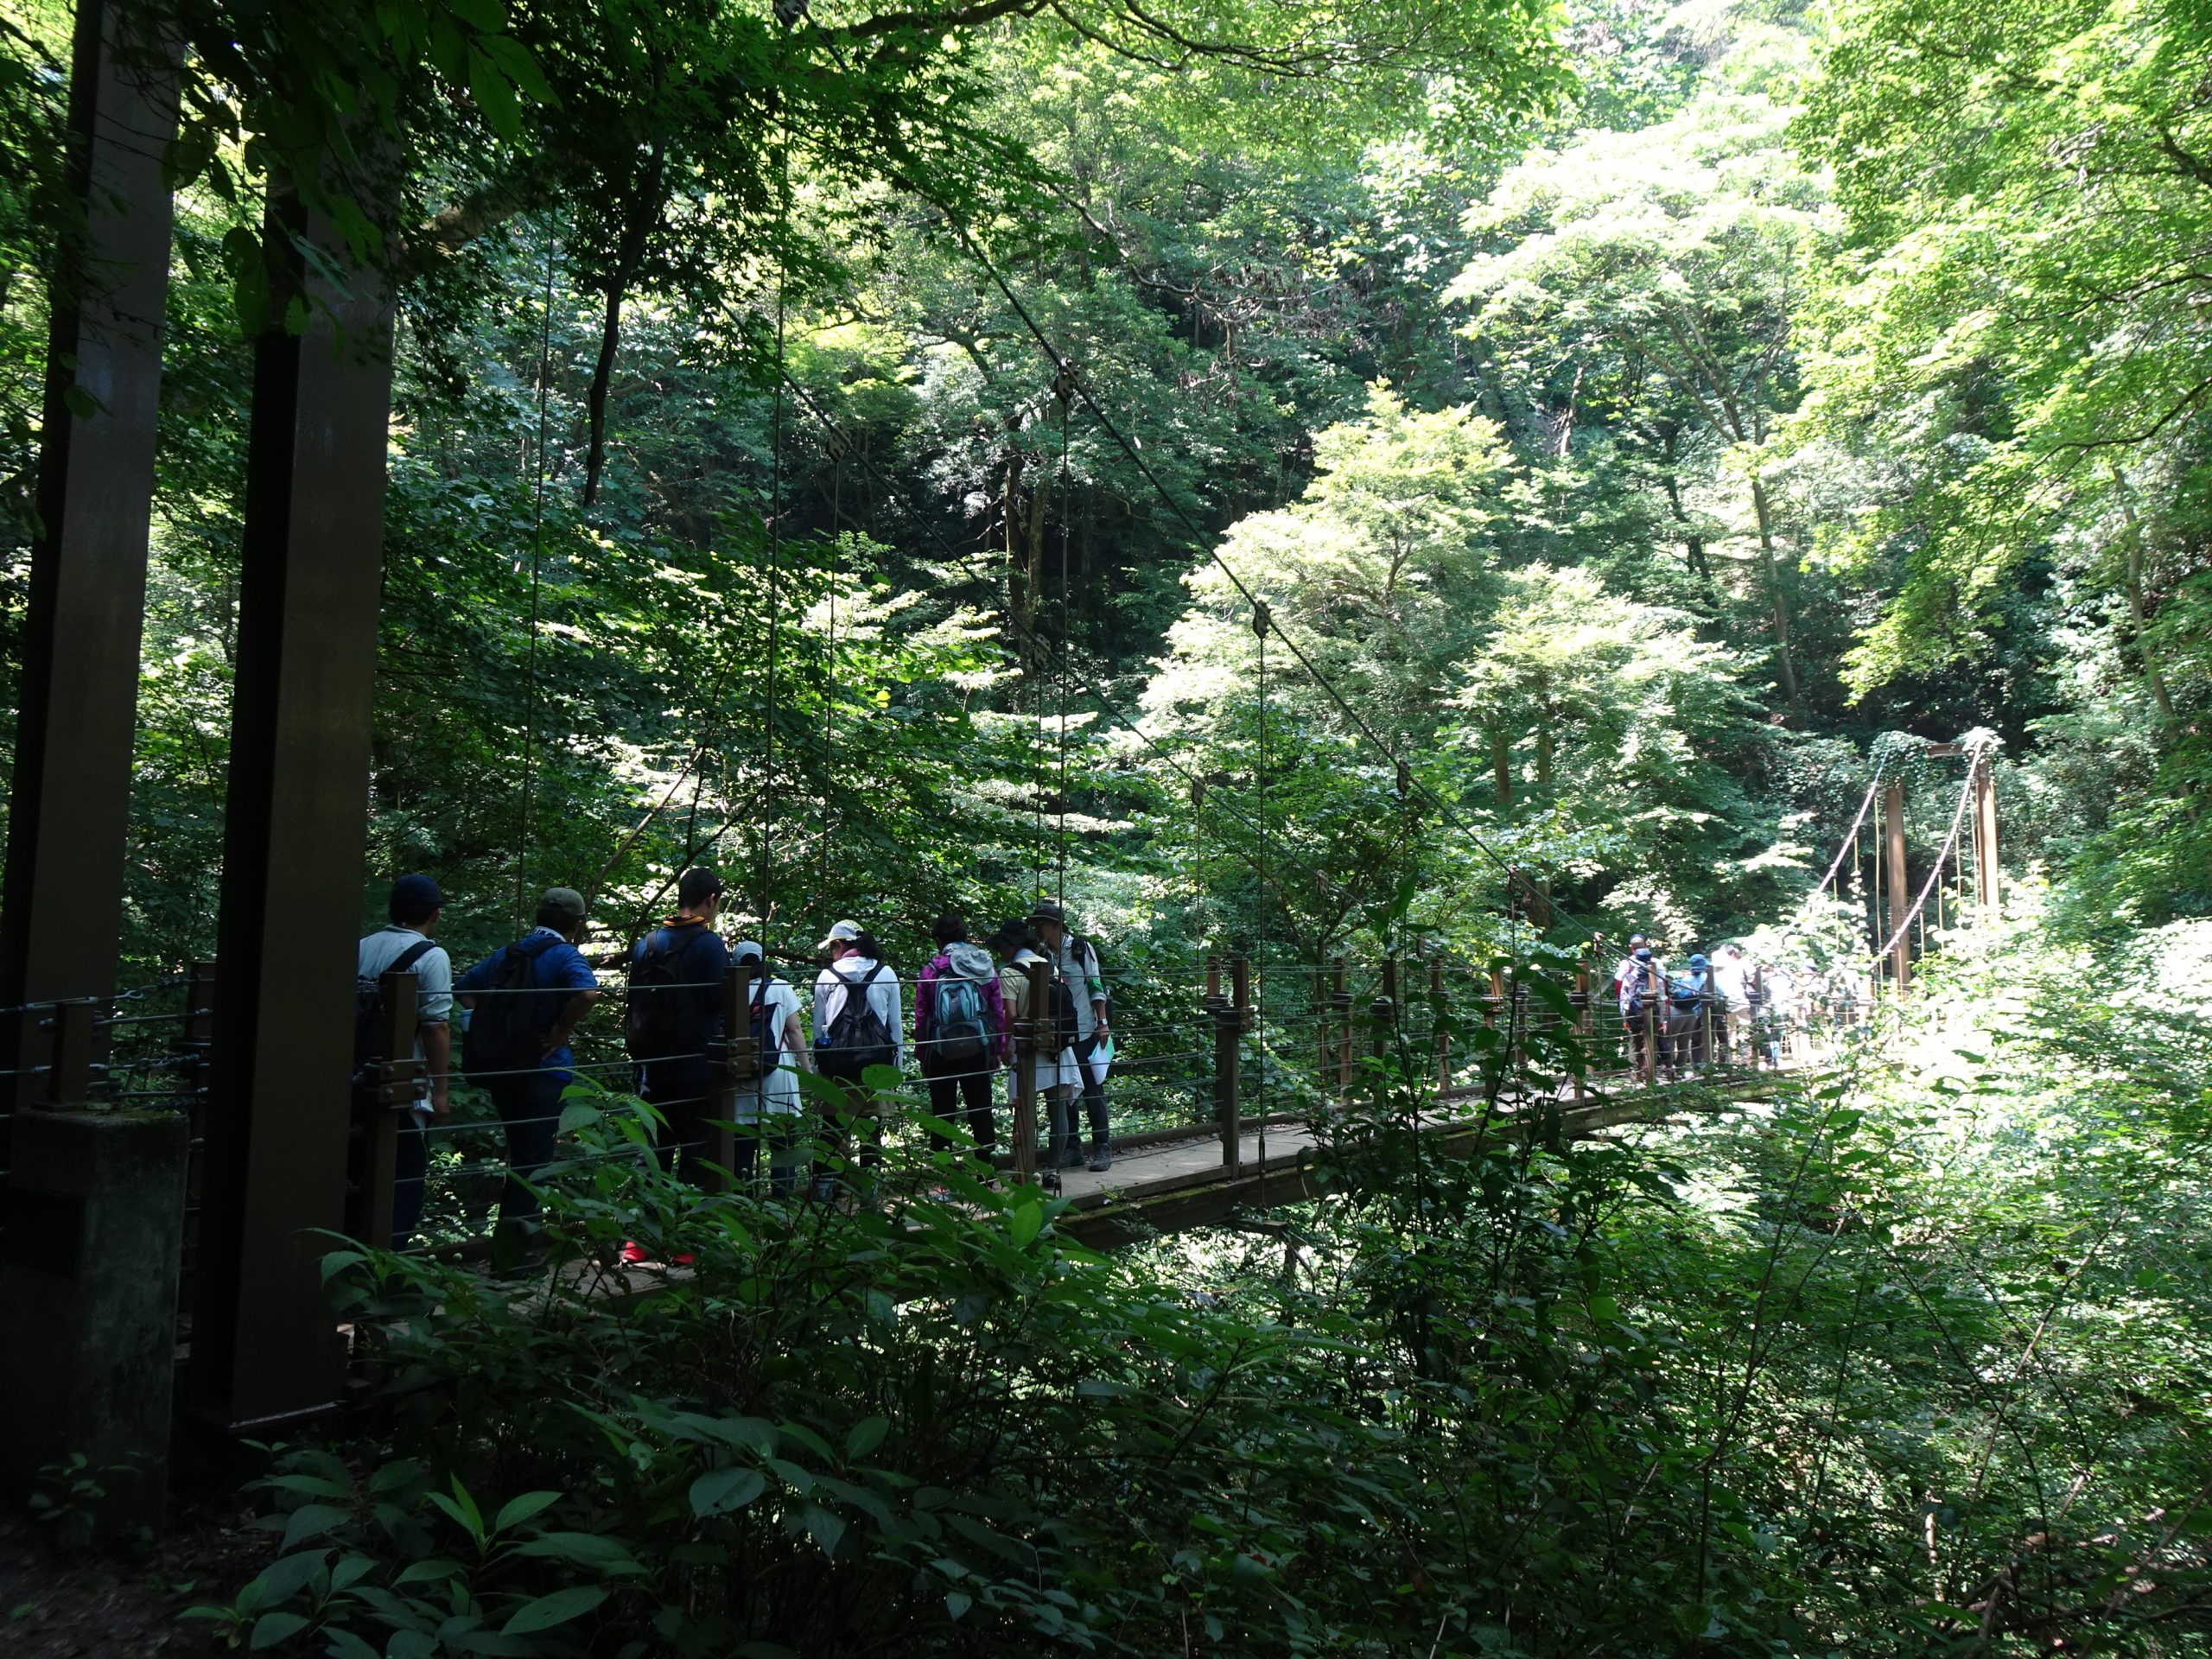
1076	960
1055	1075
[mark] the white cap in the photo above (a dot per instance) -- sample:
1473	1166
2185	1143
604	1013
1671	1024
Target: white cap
840	933
747	951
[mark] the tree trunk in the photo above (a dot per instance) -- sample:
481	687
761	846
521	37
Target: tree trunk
1785	664
1500	766
629	252
2138	612
1693	543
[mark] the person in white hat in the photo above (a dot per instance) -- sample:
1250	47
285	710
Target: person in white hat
768	1107
859	1024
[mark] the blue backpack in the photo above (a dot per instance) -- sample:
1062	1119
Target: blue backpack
957	1019
1689	990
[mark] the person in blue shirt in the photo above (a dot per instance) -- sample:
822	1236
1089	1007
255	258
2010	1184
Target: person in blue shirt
675	1018
563	991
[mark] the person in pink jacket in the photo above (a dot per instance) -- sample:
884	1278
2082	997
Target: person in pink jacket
960	1032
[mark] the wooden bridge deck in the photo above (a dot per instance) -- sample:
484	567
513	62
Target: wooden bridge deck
1180	1185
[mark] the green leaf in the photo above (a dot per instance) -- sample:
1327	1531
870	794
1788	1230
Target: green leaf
584	1548
309	1519
1024	1222
516	1510
271	1627
720	1491
494	97
866	1436
822	1526
558	1608
957	1602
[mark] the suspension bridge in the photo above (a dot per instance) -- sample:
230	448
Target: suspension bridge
175	1156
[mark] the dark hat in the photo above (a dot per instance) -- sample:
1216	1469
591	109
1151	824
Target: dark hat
1045	911
1697	962
1011	935
416	894
567	901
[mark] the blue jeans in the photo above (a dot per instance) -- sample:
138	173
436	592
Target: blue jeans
530	1106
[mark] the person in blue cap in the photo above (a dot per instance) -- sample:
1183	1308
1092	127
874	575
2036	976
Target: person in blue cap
1691	1010
405	945
1639	982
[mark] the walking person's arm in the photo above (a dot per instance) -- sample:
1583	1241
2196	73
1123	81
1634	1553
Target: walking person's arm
437	1055
1099	1026
563	1028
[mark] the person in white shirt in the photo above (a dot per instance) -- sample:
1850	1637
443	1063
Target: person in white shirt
1781	1010
768	1107
1732	983
405	945
851	1037
1076	960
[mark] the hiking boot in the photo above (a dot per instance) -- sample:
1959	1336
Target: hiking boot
1071	1154
1102	1157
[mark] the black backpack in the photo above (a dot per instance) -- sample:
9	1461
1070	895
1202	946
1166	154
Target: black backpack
857	1038
1067	1027
666	1015
368	1013
503	1036
767	1036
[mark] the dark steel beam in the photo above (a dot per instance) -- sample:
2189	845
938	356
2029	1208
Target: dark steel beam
263	1346
61	897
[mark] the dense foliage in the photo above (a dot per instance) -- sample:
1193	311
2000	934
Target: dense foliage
1635	420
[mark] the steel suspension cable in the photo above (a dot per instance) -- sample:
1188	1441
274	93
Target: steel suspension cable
536	560
1950	844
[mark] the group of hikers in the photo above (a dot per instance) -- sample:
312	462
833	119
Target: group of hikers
1726	1007
521	1005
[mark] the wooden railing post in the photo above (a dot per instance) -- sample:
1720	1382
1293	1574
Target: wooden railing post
737	1069
1028	1049
1437	1019
193	1047
1340	1001
1232	1018
395	1079
1893	858
1583	1019
69	1081
1383	1013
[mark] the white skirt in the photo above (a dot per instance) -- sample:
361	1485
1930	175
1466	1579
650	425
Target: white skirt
778	1092
1051	1071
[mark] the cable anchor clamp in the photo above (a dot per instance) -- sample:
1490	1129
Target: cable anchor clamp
1262	616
